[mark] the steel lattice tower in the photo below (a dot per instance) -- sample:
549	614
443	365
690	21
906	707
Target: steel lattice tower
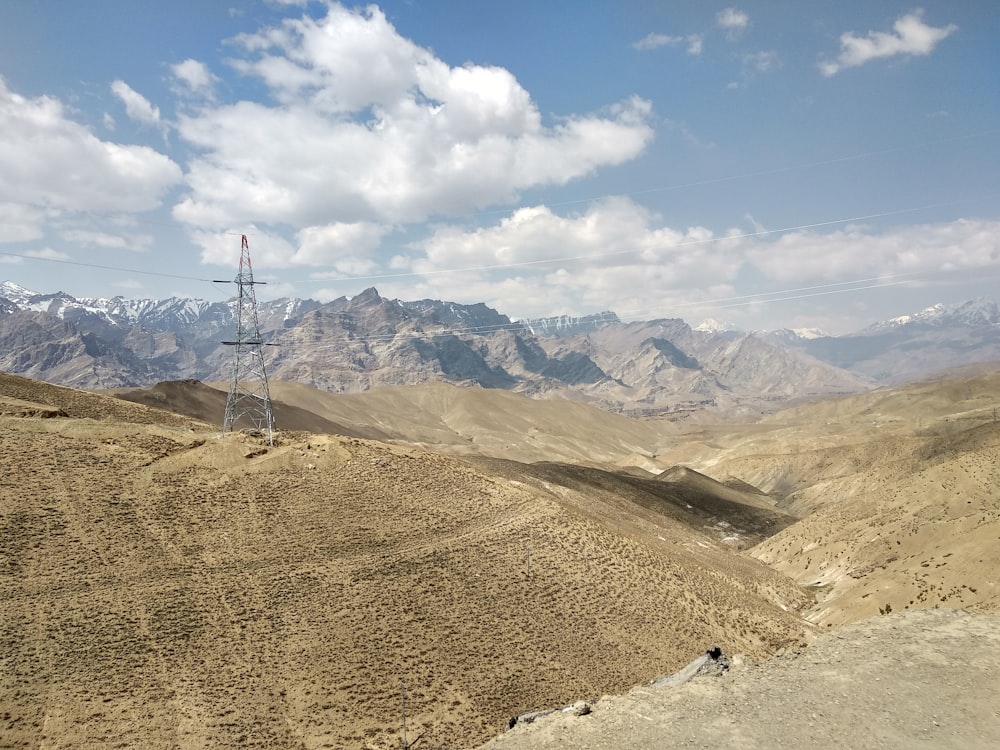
249	399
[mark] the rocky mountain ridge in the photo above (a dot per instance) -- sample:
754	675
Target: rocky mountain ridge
909	347
353	344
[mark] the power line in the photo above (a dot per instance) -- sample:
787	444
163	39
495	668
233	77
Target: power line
108	268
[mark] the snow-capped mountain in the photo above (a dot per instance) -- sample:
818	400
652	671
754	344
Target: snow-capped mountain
972	314
17	294
794	335
916	345
711	325
642	367
367	341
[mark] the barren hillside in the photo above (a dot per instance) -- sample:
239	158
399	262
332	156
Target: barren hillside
899	492
163	586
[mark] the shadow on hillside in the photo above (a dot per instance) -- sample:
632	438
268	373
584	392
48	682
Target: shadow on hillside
728	514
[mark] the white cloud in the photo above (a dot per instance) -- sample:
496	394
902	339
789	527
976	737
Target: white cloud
222	248
47	159
911	36
106	240
46	253
619	256
383	132
732	20
137	107
347	248
655	41
612	256
20	223
194	78
856	251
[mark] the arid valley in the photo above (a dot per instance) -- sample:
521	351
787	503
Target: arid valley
414	566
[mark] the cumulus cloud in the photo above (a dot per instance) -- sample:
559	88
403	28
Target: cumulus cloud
854	251
20	223
910	36
618	255
194	78
222	248
384	131
732	20
137	107
346	248
46	159
655	41
615	254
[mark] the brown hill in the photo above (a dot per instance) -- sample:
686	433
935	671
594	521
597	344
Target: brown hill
195	399
478	421
899	493
165	586
80	404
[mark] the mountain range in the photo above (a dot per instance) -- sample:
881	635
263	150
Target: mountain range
639	368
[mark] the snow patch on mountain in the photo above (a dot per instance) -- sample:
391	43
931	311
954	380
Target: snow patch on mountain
711	325
568	325
973	314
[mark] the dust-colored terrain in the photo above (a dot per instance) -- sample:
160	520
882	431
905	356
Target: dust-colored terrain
899	493
195	399
162	585
922	679
477	421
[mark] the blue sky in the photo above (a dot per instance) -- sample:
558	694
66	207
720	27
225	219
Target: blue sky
821	164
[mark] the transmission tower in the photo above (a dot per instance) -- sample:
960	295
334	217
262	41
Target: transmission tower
249	400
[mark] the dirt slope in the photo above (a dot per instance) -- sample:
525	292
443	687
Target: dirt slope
194	399
82	404
899	493
488	422
161	586
919	680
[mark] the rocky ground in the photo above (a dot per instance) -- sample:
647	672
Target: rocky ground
923	679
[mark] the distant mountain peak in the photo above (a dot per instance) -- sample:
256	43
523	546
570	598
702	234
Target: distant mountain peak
369	296
711	325
973	313
642	367
13	291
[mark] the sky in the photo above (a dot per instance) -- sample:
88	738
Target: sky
763	164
